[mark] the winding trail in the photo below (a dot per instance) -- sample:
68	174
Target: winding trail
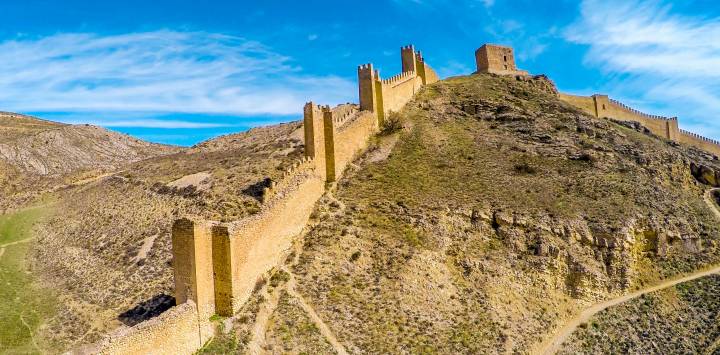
324	329
259	329
32	334
257	332
552	345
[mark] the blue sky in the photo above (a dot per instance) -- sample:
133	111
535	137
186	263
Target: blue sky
181	72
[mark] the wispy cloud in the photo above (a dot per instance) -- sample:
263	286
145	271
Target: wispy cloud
161	71
152	123
656	55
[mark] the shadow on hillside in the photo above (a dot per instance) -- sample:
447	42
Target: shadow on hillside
256	190
147	309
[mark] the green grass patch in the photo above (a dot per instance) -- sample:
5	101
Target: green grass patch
23	306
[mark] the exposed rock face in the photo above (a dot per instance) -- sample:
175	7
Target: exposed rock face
705	174
38	156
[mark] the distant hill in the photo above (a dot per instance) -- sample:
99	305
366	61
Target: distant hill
48	148
37	155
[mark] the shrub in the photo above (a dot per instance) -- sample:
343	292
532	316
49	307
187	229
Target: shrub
525	168
391	124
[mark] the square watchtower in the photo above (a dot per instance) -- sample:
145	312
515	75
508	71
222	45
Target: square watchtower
496	59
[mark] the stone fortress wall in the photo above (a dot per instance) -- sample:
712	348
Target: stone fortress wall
501	60
217	265
601	106
173	332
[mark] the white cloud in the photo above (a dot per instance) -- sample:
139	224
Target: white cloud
151	123
655	55
161	71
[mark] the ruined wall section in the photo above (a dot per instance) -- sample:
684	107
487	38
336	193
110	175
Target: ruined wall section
496	59
177	331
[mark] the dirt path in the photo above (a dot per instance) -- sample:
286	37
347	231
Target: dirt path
552	345
324	329
257	338
2	247
32	334
712	349
709	201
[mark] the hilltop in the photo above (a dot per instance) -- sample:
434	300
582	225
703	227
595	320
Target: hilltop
491	213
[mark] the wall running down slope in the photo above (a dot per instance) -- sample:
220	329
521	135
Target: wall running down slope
217	265
601	106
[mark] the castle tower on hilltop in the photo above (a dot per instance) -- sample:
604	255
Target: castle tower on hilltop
496	59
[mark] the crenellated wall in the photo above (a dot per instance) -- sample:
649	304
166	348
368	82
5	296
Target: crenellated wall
602	106
217	265
345	141
382	96
698	141
398	90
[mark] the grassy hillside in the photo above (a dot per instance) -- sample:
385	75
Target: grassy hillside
24	305
492	215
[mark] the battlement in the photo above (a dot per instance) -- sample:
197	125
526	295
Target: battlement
382	96
699	137
633	111
601	106
399	78
298	169
344	114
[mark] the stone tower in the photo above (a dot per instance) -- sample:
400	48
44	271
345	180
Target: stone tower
409	58
496	59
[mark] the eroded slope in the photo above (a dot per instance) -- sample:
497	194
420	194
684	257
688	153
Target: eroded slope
499	211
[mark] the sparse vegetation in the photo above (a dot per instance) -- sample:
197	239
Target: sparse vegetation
679	320
510	215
